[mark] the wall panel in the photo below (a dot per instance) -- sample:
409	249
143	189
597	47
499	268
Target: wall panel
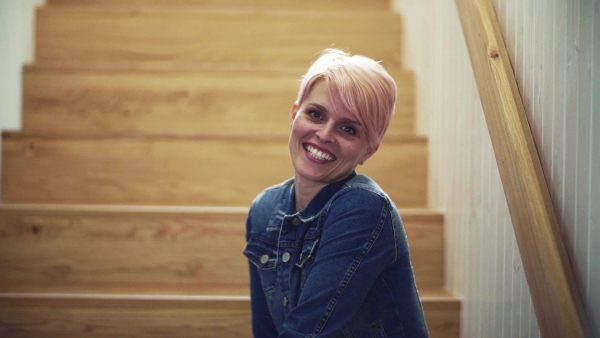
593	292
554	50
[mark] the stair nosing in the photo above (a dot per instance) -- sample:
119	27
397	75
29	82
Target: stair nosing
122	208
199	135
200	68
170	10
165	208
163	297
114	296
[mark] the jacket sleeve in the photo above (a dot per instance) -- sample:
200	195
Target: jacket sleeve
262	322
357	243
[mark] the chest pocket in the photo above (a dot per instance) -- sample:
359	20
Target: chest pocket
262	252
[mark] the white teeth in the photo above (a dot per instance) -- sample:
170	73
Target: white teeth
319	155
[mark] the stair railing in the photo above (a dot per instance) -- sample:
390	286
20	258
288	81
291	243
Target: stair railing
556	298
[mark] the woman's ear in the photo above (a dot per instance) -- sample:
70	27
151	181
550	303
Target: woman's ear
369	154
294	111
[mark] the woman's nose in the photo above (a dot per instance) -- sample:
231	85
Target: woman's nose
326	132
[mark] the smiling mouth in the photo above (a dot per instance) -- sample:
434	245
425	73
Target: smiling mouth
317	154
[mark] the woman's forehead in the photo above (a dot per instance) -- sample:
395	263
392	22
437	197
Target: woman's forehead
327	97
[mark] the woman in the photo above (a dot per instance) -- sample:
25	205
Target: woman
327	250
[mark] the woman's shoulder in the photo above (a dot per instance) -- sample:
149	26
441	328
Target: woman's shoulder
363	187
268	200
273	193
361	193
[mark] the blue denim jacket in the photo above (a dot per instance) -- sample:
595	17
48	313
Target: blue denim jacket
338	268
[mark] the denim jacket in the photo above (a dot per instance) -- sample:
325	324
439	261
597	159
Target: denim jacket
338	268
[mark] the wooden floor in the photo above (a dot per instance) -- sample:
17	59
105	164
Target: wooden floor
148	128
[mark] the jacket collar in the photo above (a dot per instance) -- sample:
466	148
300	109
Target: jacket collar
318	202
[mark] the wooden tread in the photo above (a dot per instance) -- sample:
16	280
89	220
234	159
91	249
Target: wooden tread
65	101
235	5
180	170
162	316
155	249
121	39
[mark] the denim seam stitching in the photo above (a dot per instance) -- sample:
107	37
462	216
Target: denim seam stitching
369	245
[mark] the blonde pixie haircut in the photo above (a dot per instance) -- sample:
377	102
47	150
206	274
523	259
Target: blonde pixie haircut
362	85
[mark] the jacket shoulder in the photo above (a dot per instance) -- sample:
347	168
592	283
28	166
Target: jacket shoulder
362	186
272	195
265	203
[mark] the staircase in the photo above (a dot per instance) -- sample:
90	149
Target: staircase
148	128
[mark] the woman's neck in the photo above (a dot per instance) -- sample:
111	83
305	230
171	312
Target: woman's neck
305	192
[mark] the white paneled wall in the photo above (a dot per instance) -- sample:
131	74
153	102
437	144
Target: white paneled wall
554	46
16	49
16	46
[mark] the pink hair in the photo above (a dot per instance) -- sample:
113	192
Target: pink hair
362	85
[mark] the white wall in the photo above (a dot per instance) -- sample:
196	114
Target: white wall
554	47
16	49
16	44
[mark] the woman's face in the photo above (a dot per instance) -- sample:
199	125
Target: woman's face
326	144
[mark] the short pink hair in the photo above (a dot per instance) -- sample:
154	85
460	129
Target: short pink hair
362	85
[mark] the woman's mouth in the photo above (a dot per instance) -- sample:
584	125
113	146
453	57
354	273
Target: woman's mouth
318	154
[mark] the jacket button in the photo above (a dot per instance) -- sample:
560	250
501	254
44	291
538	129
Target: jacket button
264	259
286	257
296	221
285	301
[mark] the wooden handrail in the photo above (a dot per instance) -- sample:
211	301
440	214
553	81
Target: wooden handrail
556	298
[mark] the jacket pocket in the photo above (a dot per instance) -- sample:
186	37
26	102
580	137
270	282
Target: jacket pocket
262	253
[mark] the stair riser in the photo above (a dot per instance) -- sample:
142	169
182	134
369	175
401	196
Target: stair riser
166	252
85	250
174	102
179	171
162	318
238	5
124	318
163	40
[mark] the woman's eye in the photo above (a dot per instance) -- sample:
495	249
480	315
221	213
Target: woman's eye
315	114
349	130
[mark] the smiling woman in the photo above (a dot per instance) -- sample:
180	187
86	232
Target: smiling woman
327	250
326	143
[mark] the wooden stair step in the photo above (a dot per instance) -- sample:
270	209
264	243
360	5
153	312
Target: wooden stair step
180	170
238	5
62	100
67	315
188	39
168	250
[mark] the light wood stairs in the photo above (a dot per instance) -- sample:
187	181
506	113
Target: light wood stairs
148	128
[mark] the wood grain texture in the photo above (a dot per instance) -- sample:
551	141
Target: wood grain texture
93	316
62	101
187	39
116	317
138	103
103	250
180	170
549	274
237	5
155	250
